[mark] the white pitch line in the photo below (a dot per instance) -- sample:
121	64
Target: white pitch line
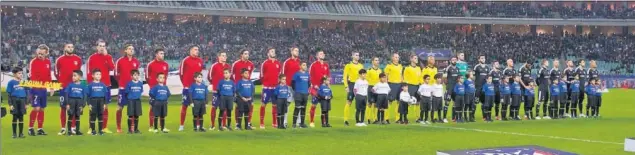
514	133
524	134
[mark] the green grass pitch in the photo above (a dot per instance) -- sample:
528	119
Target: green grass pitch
584	136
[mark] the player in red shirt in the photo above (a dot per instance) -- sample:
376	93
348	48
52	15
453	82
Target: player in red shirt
242	63
40	71
154	67
269	72
289	68
64	67
214	75
101	61
123	74
190	65
317	71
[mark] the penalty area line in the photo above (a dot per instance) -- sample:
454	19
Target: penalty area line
523	134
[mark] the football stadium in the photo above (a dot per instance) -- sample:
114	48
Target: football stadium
317	77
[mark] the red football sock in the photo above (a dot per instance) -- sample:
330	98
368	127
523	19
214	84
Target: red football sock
63	117
151	116
73	122
251	111
274	114
183	113
213	113
312	113
32	118
224	117
40	119
105	118
262	115
118	119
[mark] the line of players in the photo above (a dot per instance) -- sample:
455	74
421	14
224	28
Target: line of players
502	90
395	73
67	64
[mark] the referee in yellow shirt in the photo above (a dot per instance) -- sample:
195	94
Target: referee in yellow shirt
351	73
373	78
412	76
394	73
430	69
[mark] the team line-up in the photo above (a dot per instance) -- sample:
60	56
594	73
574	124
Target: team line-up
376	92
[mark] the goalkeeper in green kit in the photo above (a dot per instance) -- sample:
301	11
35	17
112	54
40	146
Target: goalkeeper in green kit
461	64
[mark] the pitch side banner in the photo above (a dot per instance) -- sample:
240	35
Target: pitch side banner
438	54
618	81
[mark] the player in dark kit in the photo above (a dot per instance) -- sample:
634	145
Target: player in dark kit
452	76
17	102
76	99
581	73
226	92
496	80
569	75
481	71
281	96
133	92
300	85
245	90
197	97
509	71
525	78
543	82
97	97
159	95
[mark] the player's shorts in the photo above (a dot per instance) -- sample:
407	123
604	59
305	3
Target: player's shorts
281	104
403	107
75	106
412	90
97	105
360	101
226	102
108	95
382	101
184	97
325	104
529	103
38	97
242	106
425	103
62	99
372	97
459	100
543	94
134	107
395	88
18	106
122	98
515	100
267	95
470	99
160	108
300	100
351	91
437	103
199	108
216	99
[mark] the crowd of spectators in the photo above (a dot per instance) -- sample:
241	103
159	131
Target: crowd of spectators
22	34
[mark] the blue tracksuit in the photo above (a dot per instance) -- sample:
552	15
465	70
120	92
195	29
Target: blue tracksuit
488	89
505	89
282	92
133	90
226	88
160	93
245	88
516	90
301	83
97	90
75	90
15	90
459	89
198	91
469	87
